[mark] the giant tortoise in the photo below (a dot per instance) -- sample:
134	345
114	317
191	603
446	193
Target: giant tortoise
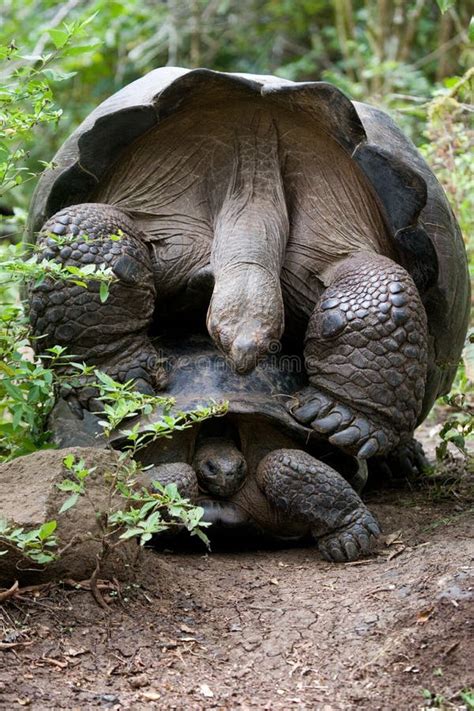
284	210
256	467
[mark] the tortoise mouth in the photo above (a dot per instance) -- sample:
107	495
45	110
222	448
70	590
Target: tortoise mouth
219	494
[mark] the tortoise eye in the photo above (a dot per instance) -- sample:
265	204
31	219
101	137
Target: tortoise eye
211	467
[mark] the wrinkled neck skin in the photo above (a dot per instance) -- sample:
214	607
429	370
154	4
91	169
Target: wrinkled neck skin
250	235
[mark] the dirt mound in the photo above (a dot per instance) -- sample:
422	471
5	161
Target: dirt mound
29	496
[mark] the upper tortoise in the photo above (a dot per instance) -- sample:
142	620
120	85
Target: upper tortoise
290	211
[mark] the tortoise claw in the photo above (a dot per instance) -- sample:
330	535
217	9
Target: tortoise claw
327	424
355	537
344	426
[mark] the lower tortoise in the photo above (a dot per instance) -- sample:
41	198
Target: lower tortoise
256	468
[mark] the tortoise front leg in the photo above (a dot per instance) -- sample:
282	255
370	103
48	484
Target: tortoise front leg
309	492
111	335
366	357
178	473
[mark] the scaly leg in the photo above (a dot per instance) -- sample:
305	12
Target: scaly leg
366	357
309	491
110	335
179	473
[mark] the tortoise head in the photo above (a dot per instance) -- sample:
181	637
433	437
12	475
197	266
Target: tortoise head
220	467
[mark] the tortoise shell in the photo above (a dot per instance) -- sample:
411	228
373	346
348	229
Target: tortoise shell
419	220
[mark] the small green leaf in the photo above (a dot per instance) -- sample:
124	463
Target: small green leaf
47	529
69	503
131	533
104	291
444	5
56	75
68	461
81	49
58	37
470	31
42	557
202	536
68	485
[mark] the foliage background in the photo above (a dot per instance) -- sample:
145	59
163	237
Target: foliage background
394	53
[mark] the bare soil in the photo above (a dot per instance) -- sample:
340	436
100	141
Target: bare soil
266	628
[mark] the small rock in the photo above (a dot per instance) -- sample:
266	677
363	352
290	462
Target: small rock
206	691
109	698
139	681
151	696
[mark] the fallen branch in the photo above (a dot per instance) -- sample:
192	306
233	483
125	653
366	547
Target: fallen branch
7	594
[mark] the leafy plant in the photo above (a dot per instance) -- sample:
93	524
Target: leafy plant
26	382
37	545
121	402
467	696
26	106
142	513
458	408
26	98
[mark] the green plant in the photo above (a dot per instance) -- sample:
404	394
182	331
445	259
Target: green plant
141	513
37	545
26	98
450	139
458	426
26	106
435	701
27	383
467	696
121	402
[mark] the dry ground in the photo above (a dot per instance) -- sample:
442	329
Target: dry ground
273	628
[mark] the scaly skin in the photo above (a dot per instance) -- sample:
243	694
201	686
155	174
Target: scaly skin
366	357
220	467
407	461
290	494
111	335
179	473
308	491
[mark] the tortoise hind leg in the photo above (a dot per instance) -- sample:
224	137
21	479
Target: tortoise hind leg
308	491
366	357
111	335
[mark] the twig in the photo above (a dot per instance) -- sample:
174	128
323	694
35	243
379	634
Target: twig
12	645
7	594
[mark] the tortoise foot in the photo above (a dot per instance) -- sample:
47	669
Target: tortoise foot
342	424
354	539
138	362
109	334
312	494
407	461
178	473
366	356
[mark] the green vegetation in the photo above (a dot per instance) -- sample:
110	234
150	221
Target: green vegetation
438	701
142	512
